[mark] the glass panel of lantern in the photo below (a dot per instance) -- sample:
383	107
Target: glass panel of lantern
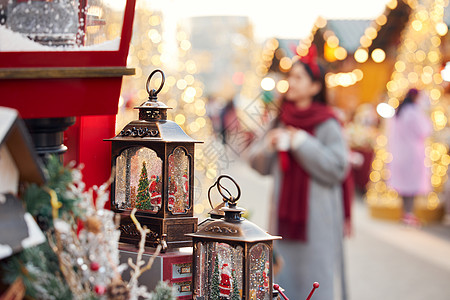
153	163
138	180
178	182
232	256
259	271
220	267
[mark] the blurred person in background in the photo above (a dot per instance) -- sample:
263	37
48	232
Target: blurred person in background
307	155
407	132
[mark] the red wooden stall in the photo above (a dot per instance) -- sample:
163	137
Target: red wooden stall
83	84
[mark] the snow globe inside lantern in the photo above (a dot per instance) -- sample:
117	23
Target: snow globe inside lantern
232	257
153	163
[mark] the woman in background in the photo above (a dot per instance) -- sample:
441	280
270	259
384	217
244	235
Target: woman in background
306	153
407	132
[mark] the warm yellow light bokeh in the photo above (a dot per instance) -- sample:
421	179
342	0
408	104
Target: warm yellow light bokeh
361	55
285	63
365	41
340	53
180	119
378	55
371	33
381	20
321	22
392	4
267	84
417	25
400	66
441	28
282	86
333	41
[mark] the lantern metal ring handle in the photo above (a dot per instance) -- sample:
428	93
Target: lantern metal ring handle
209	194
226	198
152	93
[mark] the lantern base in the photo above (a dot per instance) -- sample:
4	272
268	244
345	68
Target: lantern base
170	233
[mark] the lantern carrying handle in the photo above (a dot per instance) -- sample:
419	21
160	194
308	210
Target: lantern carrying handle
209	194
229	198
152	93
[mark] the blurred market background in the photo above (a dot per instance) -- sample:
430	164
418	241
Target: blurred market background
225	67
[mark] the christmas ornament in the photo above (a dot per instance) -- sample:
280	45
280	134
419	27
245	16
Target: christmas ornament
99	289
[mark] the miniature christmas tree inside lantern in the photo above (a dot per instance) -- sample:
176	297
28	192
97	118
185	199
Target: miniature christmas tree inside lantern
232	256
153	159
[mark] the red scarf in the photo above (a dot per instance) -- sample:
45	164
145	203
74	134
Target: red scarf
293	202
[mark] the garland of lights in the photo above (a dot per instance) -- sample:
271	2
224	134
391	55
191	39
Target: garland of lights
181	91
417	65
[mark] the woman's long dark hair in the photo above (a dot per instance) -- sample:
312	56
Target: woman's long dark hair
321	97
410	98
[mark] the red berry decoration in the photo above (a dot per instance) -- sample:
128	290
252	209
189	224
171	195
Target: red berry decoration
95	266
99	289
315	286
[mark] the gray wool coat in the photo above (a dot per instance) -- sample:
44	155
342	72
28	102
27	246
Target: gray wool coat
320	258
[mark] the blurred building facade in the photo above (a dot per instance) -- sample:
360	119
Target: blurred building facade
223	47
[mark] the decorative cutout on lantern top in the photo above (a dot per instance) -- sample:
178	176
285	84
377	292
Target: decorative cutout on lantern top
259	272
219	267
138	180
178	182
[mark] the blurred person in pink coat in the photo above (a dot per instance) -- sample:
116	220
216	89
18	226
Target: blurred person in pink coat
407	133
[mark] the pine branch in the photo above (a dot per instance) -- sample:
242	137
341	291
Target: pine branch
163	291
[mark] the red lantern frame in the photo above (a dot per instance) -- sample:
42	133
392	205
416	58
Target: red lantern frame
82	84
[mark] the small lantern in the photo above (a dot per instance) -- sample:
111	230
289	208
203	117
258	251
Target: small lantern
232	256
153	162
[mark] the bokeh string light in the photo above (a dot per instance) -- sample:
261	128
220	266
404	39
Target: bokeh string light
417	65
185	63
182	92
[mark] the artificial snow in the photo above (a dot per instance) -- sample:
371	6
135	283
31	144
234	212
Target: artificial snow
11	41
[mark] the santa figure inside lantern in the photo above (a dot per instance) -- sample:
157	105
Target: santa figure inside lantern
155	193
225	282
